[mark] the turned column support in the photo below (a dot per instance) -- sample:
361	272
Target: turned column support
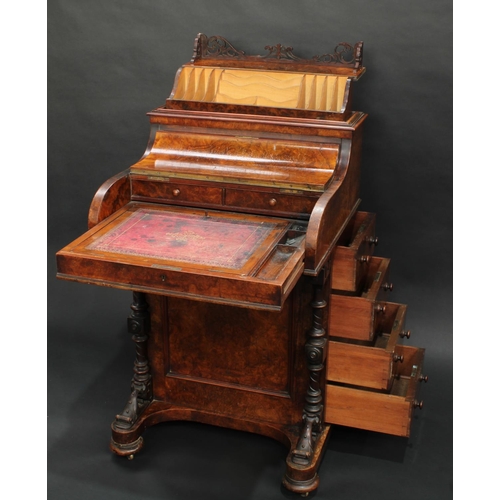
141	391
303	460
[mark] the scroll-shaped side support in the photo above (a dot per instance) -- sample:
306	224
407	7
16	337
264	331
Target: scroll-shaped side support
141	390
110	197
336	206
303	461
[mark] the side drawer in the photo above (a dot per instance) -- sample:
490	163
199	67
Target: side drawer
175	192
389	413
357	317
370	365
353	252
270	202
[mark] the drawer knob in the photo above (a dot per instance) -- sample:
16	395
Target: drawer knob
176	192
398	358
388	287
423	378
373	240
405	334
380	309
418	404
272	202
364	259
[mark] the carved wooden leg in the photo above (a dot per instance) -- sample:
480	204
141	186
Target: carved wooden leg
141	392
303	461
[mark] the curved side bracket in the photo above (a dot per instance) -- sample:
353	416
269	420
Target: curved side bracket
332	212
111	196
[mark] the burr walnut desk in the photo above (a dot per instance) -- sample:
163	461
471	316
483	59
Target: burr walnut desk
256	298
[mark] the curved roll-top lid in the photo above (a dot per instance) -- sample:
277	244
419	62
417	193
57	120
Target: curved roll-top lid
284	163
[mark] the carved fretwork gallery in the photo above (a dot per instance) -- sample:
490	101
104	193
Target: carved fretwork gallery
258	303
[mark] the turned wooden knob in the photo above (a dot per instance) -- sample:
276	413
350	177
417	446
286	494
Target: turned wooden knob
373	240
176	192
404	334
364	259
423	378
418	404
380	309
388	287
272	202
398	357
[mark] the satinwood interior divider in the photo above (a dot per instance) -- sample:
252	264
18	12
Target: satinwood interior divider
282	89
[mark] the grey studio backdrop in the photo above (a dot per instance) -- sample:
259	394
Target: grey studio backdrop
111	62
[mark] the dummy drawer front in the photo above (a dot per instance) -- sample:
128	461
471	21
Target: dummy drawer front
270	202
389	413
357	317
176	192
353	252
370	365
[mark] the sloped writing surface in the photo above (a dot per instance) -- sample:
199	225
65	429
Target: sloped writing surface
211	255
186	238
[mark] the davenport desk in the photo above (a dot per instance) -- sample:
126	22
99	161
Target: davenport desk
257	302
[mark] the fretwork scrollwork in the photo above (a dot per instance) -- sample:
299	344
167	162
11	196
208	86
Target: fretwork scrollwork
344	54
215	46
281	52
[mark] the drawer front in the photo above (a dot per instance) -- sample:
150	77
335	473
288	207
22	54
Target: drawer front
369	365
175	192
353	252
270	202
388	413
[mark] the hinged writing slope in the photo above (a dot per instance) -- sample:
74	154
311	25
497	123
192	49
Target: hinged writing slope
207	255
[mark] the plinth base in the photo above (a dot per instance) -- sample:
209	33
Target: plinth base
300	479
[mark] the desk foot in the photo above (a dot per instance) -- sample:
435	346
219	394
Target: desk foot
128	449
303	479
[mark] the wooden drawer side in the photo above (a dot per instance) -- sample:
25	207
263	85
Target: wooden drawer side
358	317
388	413
350	317
353	252
359	365
369	365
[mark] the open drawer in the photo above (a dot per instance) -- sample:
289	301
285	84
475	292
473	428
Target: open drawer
369	364
389	413
222	257
358	317
353	253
